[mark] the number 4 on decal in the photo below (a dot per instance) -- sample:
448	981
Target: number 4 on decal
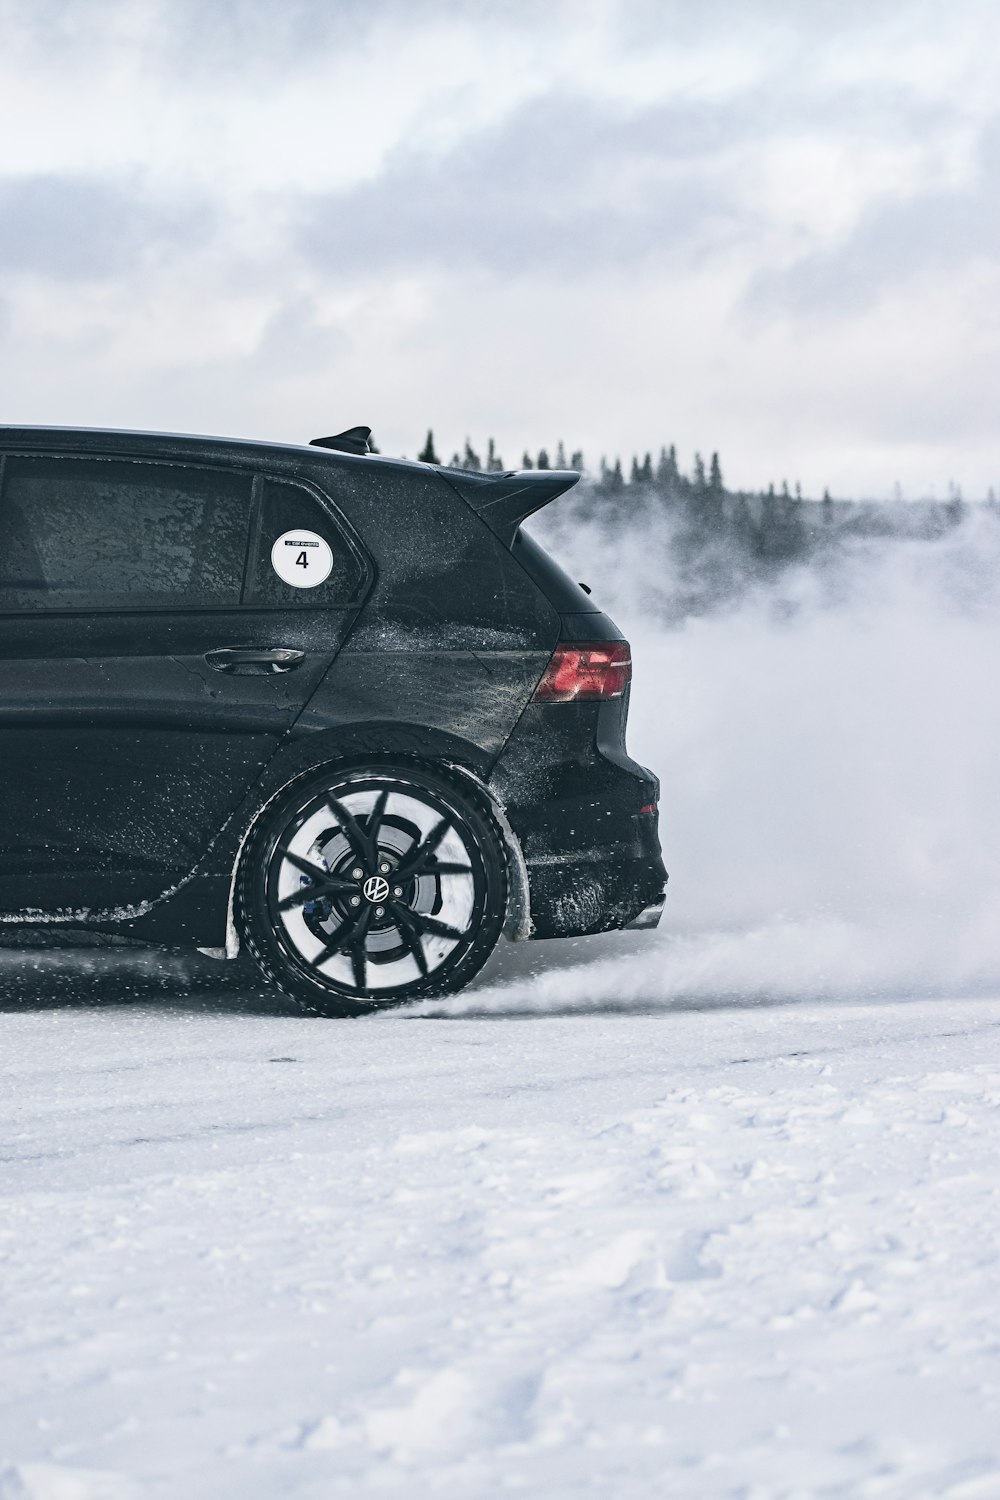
302	561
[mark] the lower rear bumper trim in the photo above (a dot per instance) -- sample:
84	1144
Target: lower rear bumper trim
650	915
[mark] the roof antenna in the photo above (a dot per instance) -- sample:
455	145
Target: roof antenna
354	440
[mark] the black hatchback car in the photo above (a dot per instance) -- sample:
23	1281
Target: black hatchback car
336	707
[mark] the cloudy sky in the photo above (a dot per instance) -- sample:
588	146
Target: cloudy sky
770	227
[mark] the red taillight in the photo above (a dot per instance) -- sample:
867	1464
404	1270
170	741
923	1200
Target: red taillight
584	673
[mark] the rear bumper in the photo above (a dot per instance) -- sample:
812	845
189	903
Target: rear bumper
577	805
575	898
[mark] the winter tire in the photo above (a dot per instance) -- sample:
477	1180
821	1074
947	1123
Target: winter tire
366	887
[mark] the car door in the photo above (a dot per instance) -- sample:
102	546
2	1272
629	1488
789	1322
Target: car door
151	658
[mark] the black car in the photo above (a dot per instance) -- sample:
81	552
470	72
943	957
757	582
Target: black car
336	707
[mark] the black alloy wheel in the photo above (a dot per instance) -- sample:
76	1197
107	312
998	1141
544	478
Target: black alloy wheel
368	887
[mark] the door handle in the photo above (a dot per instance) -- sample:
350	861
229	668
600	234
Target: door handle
251	660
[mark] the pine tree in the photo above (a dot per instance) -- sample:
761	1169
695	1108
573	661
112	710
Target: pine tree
527	461
471	459
667	472
427	454
706	515
741	526
768	526
543	459
635	476
646	470
576	461
616	480
560	455
781	534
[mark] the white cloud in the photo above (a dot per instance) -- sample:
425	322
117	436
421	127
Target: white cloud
745	225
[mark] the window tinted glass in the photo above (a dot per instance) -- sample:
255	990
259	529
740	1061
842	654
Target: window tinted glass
93	533
287	512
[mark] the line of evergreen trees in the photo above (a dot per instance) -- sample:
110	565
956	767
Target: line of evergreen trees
494	464
666	475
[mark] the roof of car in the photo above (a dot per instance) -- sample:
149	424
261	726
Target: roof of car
116	440
503	500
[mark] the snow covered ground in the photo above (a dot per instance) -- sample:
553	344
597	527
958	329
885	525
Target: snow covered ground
700	1249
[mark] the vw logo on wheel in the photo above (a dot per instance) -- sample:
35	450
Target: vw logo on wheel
376	888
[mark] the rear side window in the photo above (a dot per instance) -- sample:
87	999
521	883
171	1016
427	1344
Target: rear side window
107	533
300	555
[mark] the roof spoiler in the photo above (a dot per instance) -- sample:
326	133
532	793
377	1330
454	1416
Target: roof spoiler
354	440
505	500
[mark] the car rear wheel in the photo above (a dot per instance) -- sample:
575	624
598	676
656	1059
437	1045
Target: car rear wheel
367	887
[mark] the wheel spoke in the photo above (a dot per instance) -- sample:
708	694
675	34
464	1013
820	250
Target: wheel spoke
374	826
411	937
418	857
425	923
329	950
316	873
317	892
350	828
446	869
356	946
352	930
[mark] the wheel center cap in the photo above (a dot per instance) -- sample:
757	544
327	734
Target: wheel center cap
376	888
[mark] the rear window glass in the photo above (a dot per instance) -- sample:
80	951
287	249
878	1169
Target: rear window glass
105	533
300	555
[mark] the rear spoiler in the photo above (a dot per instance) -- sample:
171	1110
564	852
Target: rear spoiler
505	500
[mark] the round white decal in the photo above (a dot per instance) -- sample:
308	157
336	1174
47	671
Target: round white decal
302	559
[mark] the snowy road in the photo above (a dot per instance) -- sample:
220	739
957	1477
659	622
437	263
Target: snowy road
704	1249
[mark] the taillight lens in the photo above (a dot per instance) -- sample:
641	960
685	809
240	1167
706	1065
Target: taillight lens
581	674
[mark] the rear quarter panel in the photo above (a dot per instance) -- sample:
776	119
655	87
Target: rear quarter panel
453	635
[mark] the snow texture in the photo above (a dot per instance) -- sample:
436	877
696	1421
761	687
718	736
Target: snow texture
740	1251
